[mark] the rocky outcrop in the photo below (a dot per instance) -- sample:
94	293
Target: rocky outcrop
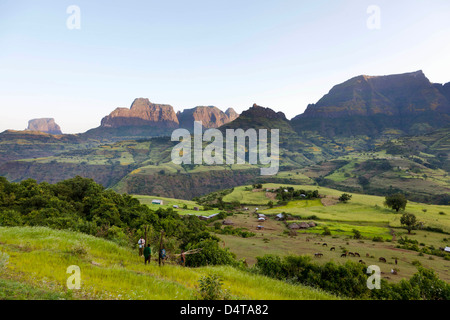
232	115
141	113
211	117
368	105
46	125
160	116
392	95
257	111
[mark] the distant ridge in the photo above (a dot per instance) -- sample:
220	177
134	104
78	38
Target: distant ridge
370	104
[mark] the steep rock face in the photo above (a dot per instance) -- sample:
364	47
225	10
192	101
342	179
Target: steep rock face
142	112
47	125
370	104
211	117
232	115
409	93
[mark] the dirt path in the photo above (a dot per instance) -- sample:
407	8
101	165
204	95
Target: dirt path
329	201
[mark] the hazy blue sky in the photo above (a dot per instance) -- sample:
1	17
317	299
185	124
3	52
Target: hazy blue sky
278	54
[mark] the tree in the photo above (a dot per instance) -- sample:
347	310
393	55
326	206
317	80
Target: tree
409	220
345	197
396	201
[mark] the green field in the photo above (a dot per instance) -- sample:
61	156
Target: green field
39	258
361	208
170	202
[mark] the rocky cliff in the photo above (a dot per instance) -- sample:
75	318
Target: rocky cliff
371	104
211	117
47	125
142	112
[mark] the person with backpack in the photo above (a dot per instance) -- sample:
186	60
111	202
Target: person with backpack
162	255
148	254
183	258
141	244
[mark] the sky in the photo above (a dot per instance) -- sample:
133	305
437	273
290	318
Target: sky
279	54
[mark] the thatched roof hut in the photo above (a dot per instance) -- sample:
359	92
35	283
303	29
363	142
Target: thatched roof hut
227	222
294	226
312	224
304	225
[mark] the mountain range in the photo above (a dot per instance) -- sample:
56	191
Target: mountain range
367	119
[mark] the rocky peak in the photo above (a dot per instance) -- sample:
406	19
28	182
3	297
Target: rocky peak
210	116
257	111
142	112
392	95
47	125
232	114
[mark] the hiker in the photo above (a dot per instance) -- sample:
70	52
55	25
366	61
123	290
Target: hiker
162	255
183	258
148	254
141	244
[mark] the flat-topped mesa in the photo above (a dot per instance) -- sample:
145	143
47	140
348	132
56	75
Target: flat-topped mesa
46	125
210	116
142	112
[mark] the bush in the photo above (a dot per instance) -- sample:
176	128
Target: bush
326	231
10	218
377	239
210	254
210	288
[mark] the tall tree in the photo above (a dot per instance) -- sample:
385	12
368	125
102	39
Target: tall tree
396	201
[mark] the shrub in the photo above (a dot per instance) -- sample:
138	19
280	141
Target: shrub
210	288
377	239
326	231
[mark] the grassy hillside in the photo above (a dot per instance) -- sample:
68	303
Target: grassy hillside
364	213
39	257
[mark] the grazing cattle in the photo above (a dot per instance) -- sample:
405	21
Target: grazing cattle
332	249
318	254
362	262
343	255
382	259
357	254
324	245
367	255
351	254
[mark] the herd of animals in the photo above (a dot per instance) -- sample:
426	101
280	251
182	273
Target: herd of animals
347	253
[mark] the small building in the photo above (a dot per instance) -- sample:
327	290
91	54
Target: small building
447	249
156	201
279	217
207	217
294	226
227	222
303	225
312	224
260	227
175	206
261	219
